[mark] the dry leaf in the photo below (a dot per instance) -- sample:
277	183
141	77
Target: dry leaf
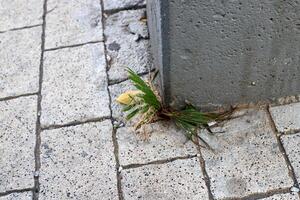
127	96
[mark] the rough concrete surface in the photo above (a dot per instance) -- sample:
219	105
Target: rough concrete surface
127	43
247	158
231	51
153	142
283	197
180	179
75	143
80	164
286	117
121	4
18	196
17	143
17	14
74	85
72	22
291	144
20	60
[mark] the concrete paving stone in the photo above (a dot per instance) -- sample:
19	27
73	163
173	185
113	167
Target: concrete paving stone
180	179
125	47
158	141
74	85
286	117
78	163
17	143
121	4
72	22
246	158
283	197
17	14
18	196
291	145
20	54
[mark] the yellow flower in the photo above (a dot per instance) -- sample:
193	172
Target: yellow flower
127	96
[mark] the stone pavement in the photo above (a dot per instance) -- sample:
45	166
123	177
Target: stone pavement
62	136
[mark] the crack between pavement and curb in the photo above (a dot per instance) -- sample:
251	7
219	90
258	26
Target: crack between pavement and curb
295	99
75	123
38	121
281	148
204	172
18	96
21	28
2	194
114	136
262	195
118	81
74	45
157	162
127	8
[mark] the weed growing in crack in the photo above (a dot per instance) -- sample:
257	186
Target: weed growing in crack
146	103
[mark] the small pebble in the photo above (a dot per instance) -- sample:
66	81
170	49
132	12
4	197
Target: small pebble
295	189
120	169
212	123
36	174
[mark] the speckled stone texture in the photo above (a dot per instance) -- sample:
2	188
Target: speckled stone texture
283	197
77	162
72	22
180	179
291	144
17	143
18	196
20	54
247	158
74	85
121	4
153	142
286	117
17	14
127	43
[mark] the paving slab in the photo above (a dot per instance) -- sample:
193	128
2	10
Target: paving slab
78	163
17	14
180	179
74	85
18	196
286	117
158	141
17	143
20	54
291	145
122	4
72	22
283	197
246	158
126	43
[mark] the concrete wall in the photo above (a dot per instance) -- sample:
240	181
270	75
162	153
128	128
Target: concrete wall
221	52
